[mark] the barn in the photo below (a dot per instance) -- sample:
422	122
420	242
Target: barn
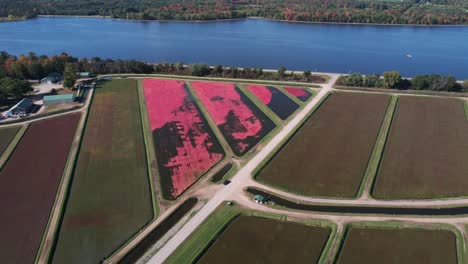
59	99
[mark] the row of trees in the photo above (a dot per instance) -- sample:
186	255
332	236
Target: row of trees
345	11
233	72
393	80
15	70
35	67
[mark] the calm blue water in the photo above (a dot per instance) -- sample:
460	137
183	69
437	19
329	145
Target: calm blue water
249	43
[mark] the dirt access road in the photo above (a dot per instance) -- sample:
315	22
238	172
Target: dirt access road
241	177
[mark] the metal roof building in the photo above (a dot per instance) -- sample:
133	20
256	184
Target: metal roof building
59	99
23	107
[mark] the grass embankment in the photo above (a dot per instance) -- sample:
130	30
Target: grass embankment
232	235
159	231
374	161
328	155
110	198
425	154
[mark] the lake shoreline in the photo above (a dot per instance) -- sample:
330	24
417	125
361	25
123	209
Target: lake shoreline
253	43
255	18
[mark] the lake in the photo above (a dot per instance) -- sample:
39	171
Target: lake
249	43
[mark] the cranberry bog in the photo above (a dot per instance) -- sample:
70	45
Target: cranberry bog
110	198
29	182
6	136
186	147
240	121
426	152
387	245
300	93
329	153
274	99
265	240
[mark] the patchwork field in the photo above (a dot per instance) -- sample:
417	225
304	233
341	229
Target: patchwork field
395	245
110	197
29	182
426	151
300	93
186	147
328	155
239	120
6	135
262	240
278	102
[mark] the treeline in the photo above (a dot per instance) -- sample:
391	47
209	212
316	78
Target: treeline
33	67
15	71
393	80
344	11
203	70
12	89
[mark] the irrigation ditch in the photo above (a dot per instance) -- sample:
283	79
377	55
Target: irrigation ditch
352	209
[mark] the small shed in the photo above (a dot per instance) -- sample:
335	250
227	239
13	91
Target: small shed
85	75
59	99
54	77
22	108
260	199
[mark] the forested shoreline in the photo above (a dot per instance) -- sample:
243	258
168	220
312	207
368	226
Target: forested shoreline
16	72
431	12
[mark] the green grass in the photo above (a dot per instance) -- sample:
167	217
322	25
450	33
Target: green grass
6	136
374	161
149	145
202	236
110	198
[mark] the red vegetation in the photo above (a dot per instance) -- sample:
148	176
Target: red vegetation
262	92
274	99
185	145
300	93
29	183
240	121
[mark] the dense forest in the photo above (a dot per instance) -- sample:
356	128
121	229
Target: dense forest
343	11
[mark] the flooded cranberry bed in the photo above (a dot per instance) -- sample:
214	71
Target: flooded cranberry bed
240	121
274	99
186	147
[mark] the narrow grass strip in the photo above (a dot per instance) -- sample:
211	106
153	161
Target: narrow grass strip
374	161
44	250
334	243
149	146
11	147
466	108
203	235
